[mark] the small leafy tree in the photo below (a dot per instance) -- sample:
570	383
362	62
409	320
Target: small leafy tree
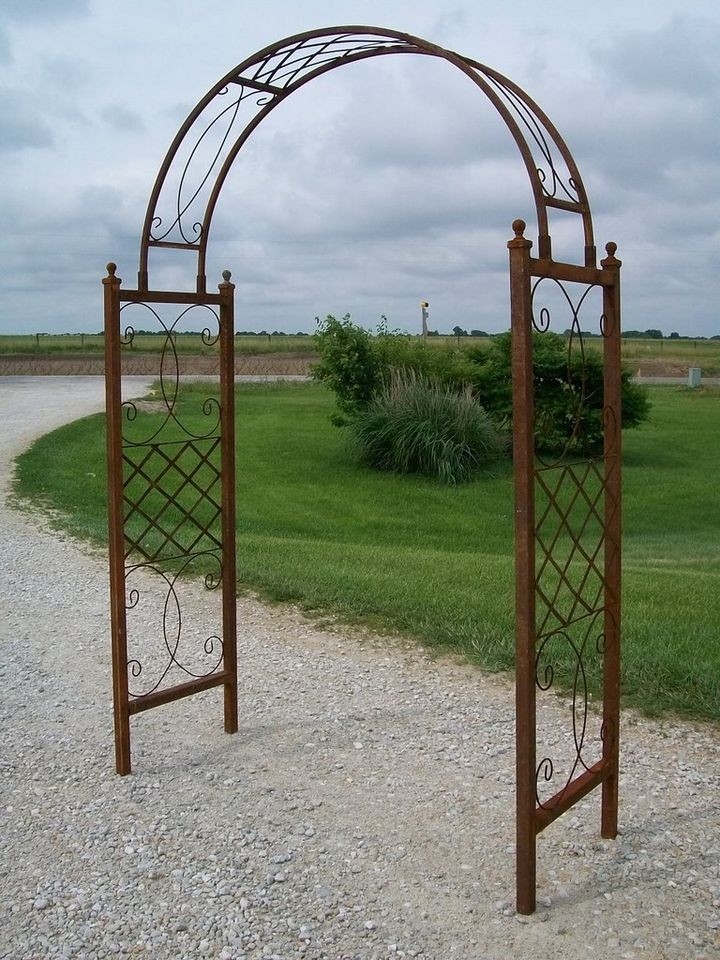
348	364
353	363
568	392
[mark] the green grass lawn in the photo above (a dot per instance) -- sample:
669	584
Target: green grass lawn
406	554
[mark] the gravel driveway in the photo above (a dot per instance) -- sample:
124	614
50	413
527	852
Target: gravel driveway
364	810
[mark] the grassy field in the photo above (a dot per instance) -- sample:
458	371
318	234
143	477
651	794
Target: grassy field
693	353
435	562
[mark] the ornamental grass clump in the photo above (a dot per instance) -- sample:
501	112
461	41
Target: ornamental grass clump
417	425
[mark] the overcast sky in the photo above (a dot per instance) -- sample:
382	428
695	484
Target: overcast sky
374	187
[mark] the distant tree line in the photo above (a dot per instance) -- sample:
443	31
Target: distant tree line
457	331
460	332
275	333
650	334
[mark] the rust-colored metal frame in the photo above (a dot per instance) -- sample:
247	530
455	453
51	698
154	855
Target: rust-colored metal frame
601	602
195	169
171	550
179	218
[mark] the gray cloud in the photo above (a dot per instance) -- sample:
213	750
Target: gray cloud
30	12
376	186
62	73
44	10
119	117
662	100
679	57
20	125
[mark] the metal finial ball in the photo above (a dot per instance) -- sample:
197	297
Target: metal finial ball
610	248
226	276
519	227
111	268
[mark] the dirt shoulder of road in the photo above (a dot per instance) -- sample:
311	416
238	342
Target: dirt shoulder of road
148	364
258	365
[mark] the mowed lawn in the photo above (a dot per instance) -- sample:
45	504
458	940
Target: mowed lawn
409	555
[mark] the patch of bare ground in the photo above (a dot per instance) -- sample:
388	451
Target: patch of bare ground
658	367
147	364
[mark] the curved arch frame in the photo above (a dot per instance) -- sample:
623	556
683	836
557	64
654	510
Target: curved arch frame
553	605
267	78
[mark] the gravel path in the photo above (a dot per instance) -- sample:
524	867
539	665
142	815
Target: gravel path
365	809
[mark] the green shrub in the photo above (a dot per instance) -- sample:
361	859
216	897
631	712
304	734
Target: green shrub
353	363
348	364
568	392
568	387
445	363
417	425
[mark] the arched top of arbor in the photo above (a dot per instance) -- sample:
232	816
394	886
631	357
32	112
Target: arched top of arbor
190	180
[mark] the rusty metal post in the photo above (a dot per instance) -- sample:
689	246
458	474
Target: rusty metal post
227	468
118	617
613	536
524	473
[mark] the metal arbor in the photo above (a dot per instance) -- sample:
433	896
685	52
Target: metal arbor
172	492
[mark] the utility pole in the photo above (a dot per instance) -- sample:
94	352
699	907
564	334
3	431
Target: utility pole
424	308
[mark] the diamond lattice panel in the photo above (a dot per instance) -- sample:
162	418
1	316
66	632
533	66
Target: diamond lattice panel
570	537
172	498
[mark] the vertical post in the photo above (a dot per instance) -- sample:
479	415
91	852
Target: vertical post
524	472
612	375
227	469
118	617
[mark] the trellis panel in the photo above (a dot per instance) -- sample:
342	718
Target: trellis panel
567	550
171	506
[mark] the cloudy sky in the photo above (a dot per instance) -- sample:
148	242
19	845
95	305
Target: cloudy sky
374	187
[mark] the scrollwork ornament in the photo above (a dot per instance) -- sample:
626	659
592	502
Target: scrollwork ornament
608	733
545	770
169	378
545	679
185	196
576	386
542	324
208	338
545	672
610	421
210	406
541	141
172	623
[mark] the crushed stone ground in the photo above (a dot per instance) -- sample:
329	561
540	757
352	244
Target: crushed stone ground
364	810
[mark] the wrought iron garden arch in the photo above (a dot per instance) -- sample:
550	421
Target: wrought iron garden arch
172	491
